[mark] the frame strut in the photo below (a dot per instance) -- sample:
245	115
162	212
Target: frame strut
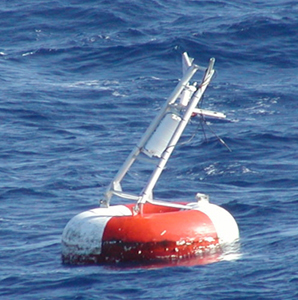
189	69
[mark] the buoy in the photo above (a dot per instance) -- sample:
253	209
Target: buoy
150	229
115	234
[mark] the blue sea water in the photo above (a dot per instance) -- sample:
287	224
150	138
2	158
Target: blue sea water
80	82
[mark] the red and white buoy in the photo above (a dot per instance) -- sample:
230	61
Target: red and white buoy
115	234
149	229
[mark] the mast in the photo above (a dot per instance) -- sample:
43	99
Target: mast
162	135
147	192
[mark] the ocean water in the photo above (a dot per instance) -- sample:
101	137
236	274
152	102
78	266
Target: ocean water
80	82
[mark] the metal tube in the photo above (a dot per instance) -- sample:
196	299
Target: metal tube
136	151
167	153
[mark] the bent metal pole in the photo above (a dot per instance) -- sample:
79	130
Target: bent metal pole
147	192
136	151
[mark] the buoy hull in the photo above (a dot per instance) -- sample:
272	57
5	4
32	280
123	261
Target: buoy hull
114	234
